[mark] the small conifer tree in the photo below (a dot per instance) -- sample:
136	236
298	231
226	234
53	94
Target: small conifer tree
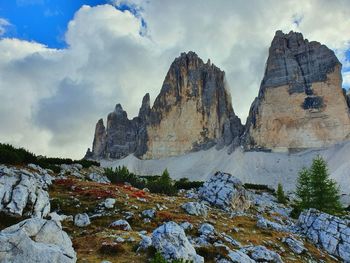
315	189
281	197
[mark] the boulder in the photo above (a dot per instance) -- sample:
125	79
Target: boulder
22	190
226	192
171	241
99	178
262	254
329	232
36	240
149	213
82	220
267	224
109	203
206	229
295	245
121	224
195	208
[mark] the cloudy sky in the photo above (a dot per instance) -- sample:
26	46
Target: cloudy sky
65	64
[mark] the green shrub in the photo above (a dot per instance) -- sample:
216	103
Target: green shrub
162	185
122	175
262	187
158	258
12	155
185	183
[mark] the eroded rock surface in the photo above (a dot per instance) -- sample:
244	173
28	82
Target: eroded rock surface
192	112
301	102
225	191
170	239
36	240
329	232
23	192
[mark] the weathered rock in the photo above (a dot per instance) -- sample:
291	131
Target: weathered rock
145	242
109	203
36	240
186	225
82	220
121	225
225	191
193	111
300	102
295	245
23	191
262	254
206	229
195	208
59	218
239	257
149	213
170	239
99	178
267	224
329	232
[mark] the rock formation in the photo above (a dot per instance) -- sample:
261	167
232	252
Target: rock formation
36	240
225	191
329	232
192	112
300	105
23	192
300	102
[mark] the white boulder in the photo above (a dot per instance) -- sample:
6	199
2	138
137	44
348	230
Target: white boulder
121	224
36	240
22	190
195	208
171	241
82	220
226	192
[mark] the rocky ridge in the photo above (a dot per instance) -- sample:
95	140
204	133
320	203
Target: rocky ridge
300	105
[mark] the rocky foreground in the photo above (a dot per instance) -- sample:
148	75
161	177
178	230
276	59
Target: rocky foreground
77	215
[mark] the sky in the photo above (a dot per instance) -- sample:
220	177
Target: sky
65	63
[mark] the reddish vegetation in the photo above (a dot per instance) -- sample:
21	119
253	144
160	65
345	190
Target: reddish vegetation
139	194
65	182
98	193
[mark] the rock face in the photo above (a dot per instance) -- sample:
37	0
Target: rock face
225	191
329	232
170	239
193	111
300	105
36	240
301	102
23	192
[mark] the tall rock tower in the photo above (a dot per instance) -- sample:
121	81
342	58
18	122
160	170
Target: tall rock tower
301	103
193	111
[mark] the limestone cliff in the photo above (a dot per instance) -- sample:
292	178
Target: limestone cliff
300	102
193	111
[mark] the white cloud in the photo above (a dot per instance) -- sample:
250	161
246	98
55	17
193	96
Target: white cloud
3	25
51	99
